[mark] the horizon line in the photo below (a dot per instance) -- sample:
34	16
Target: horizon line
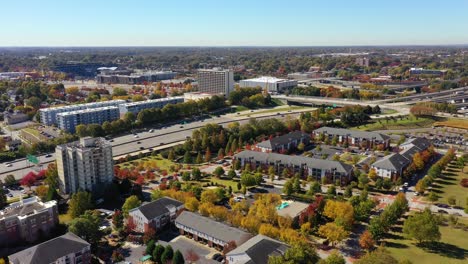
236	46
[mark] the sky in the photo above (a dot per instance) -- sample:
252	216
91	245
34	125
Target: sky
233	22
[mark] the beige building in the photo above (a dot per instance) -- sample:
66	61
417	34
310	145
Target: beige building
216	81
86	164
23	221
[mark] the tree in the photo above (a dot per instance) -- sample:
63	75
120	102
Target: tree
86	226
300	253
301	146
118	220
372	174
366	241
52	176
231	174
314	188
186	176
150	246
191	204
117	256
218	171
187	157
29	179
418	161
178	258
379	256
422	227
452	200
168	254
209	196
296	185
288	188
9	180
207	154
41	192
334	258
196	174
156	194
432	197
3	198
157	253
199	158
130	203
333	232
79	203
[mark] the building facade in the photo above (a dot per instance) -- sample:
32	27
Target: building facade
135	78
361	139
25	220
48	116
216	81
211	232
156	214
283	143
14	118
69	120
66	249
317	168
136	107
86	164
270	84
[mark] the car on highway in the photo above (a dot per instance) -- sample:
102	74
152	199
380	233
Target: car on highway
136	136
457	214
440	211
111	140
8	164
48	155
151	130
181	127
142	148
138	142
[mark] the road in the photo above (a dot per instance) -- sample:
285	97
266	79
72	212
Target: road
128	144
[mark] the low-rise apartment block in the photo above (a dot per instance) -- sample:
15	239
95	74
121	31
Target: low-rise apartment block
86	164
283	143
14	118
156	214
136	107
66	249
69	120
48	116
23	221
317	168
361	139
256	250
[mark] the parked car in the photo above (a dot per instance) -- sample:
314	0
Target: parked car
48	155
440	211
8	164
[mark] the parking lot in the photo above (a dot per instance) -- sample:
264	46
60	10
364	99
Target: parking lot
445	137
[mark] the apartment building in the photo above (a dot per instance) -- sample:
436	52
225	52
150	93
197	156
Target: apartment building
209	231
156	214
69	120
14	118
256	250
48	116
317	168
216	81
23	221
66	249
86	164
268	83
361	139
136	107
283	143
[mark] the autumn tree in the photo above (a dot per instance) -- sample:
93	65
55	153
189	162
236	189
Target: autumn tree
378	256
366	241
209	196
333	232
334	258
130	203
341	212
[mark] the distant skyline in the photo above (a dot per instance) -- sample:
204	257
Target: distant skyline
233	23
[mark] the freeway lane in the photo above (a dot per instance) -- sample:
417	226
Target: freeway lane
129	144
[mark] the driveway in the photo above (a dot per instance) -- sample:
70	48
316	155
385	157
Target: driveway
184	244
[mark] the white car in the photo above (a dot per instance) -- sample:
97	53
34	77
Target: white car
151	130
8	164
136	136
405	184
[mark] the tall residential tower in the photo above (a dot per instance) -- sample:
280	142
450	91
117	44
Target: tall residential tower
216	81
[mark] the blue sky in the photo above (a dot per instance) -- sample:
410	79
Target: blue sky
232	23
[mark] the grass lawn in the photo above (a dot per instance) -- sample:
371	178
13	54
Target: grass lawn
241	108
278	110
348	158
151	161
224	182
408	122
453	122
451	249
389	112
449	185
32	131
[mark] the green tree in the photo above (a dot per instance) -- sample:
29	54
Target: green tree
378	256
178	258
168	254
299	253
422	227
86	226
157	253
288	188
334	258
130	203
432	197
219	171
186	176
80	202
187	157
199	158
150	246
296	185
196	174
314	188
3	198
156	194
231	174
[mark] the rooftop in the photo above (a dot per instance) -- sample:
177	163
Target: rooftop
212	228
352	133
88	110
393	161
283	140
50	251
159	207
88	105
154	101
267	79
26	207
292	209
259	248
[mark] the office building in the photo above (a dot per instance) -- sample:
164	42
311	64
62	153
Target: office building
136	78
209	231
216	81
317	168
136	107
256	250
156	214
363	62
270	84
14	118
25	220
49	115
69	120
86	164
422	71
66	249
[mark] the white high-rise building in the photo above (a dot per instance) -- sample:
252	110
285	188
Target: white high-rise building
216	81
86	164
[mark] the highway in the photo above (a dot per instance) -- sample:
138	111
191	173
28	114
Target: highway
128	144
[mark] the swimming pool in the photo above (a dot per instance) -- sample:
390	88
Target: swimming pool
282	205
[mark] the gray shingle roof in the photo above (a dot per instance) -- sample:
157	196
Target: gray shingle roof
157	208
50	251
393	161
259	248
352	133
409	153
420	143
295	160
282	140
212	228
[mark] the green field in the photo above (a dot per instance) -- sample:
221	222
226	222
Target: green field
408	122
224	182
449	185
151	161
348	158
451	249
